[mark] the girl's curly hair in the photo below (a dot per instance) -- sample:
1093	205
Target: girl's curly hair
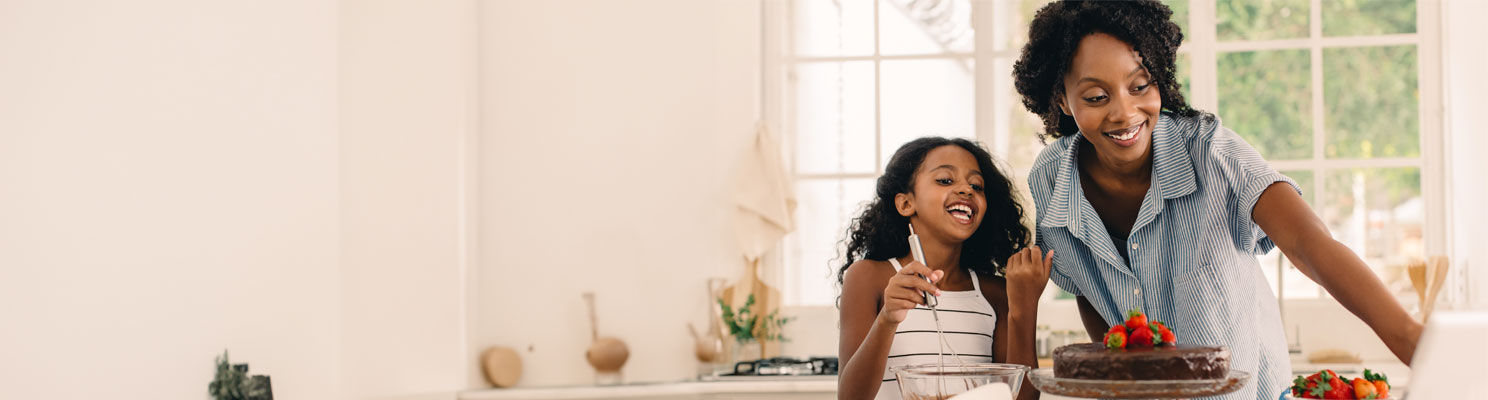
880	233
1056	32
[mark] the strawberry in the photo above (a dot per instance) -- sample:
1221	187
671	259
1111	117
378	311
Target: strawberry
1141	338
1135	319
1381	383
1311	387
1299	385
1115	340
1118	328
1337	388
1316	389
1363	389
1167	336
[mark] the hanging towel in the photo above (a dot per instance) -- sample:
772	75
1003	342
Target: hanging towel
764	197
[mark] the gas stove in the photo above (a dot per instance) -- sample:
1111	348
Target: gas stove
782	368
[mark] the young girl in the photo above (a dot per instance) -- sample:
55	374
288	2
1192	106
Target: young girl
971	230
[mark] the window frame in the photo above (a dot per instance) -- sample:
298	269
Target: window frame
992	94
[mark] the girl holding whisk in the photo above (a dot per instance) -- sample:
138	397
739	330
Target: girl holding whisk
980	275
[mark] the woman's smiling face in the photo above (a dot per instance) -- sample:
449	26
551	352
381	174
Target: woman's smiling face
1111	97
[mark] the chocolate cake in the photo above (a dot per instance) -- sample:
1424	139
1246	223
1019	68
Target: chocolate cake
1166	362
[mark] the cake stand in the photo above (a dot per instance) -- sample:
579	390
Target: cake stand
1045	381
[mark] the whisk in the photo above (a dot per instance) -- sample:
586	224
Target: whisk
930	301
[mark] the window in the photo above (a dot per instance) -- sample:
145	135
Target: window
862	78
1331	92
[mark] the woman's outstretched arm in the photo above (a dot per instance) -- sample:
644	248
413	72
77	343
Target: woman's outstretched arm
1305	240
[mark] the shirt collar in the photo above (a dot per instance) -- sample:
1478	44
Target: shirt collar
1172	170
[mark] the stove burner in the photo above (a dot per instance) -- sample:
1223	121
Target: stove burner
786	366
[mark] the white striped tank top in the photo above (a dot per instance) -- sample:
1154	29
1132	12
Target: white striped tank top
967	320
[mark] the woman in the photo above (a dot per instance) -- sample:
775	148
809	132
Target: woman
1149	204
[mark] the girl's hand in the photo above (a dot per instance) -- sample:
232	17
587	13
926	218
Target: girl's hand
904	291
1028	274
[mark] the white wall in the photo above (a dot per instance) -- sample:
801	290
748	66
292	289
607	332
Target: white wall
606	129
408	117
168	189
1462	53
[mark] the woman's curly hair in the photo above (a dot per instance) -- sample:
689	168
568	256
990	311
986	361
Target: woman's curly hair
1056	32
880	233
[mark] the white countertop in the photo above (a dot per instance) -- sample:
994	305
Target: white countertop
1398	372
824	384
1399	377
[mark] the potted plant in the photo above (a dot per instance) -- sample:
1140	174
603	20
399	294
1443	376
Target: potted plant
232	382
748	328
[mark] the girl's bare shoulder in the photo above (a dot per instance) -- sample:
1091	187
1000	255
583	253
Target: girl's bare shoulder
866	276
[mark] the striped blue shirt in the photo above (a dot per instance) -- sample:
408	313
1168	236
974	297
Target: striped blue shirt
1191	253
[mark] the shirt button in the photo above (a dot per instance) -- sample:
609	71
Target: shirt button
1134	245
1137	291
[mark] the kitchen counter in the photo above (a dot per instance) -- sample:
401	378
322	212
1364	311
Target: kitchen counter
814	387
804	388
1398	372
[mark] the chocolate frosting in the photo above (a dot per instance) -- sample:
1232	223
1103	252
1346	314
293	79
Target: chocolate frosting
1095	361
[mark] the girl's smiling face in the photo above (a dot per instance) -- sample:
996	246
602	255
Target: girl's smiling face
947	198
1111	97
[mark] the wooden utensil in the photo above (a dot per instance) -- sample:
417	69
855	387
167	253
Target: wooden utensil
607	354
1436	275
1417	272
706	347
502	366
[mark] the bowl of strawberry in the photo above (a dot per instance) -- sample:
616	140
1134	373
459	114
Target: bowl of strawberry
1327	384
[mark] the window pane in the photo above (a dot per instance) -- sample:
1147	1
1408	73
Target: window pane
1261	19
1022	146
925	98
832	28
1180	14
1371	98
1183	78
1377	212
833	114
924	27
1305	181
813	252
1368	17
1265	96
1023	137
1013	17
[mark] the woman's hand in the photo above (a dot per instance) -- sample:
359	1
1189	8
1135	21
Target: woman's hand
1027	275
904	291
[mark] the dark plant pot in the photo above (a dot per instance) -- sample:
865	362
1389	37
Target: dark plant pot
258	388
